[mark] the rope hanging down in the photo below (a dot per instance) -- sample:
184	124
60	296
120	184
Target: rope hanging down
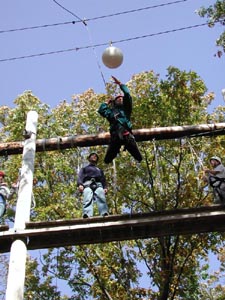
89	36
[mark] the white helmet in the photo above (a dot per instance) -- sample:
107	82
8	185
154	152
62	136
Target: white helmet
216	158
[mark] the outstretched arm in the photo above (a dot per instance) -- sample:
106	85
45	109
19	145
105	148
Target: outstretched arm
116	80
127	99
212	172
123	87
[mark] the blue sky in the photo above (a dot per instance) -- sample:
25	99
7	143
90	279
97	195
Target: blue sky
53	78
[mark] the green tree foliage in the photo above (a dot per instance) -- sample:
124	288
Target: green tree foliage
40	285
215	14
172	267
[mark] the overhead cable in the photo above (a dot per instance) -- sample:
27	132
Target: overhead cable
89	35
36	27
67	10
88	19
102	44
136	10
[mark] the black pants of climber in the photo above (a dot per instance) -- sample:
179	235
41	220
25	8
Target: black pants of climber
116	143
218	185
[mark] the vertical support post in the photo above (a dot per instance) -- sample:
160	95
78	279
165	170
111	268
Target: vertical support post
18	253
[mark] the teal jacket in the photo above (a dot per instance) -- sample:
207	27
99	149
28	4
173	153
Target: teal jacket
118	116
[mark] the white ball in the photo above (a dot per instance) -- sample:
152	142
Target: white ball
112	57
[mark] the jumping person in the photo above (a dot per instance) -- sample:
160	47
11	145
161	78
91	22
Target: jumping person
118	112
92	183
216	179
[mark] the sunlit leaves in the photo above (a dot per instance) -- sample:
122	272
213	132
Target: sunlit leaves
169	177
215	14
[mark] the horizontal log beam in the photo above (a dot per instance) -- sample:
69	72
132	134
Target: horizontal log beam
159	133
42	235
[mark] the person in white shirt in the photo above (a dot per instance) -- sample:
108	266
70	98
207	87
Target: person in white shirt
5	194
216	179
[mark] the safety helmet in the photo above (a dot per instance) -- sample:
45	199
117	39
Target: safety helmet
93	153
2	174
216	158
120	95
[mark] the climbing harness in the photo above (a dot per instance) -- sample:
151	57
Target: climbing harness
215	181
91	184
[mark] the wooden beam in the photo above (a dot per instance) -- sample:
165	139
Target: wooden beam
60	233
159	133
4	227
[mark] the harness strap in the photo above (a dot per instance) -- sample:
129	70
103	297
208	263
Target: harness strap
214	179
92	183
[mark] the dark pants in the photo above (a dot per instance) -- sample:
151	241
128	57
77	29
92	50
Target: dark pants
218	186
219	194
115	144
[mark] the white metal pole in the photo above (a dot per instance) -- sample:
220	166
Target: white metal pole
18	253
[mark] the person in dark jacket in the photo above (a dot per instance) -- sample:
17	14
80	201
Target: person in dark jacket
118	113
92	183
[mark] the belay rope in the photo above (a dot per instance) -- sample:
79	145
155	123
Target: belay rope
194	155
89	36
157	165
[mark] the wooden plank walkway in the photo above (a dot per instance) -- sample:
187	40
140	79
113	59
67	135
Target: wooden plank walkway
41	235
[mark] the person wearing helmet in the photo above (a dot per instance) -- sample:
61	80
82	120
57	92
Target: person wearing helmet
118	113
91	183
216	179
5	194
